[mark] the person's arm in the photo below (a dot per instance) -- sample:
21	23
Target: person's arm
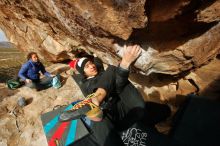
99	96
22	71
89	87
121	78
131	53
43	71
102	86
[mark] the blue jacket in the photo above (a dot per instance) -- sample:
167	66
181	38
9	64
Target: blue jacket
30	70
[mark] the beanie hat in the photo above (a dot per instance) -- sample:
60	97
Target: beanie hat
81	64
72	63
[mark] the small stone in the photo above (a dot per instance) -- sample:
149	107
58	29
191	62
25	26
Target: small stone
21	102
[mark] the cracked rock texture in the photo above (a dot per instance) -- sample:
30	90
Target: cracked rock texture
177	35
180	42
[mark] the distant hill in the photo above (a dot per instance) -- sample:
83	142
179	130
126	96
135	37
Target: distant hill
6	45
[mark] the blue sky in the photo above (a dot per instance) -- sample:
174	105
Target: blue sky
2	36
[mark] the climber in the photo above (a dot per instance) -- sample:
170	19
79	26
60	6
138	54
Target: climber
30	73
108	86
112	103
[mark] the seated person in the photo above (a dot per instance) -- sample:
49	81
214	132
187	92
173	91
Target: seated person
30	73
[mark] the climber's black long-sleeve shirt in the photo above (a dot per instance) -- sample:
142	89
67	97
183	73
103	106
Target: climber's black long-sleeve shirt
112	80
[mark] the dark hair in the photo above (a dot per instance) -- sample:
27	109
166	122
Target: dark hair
29	55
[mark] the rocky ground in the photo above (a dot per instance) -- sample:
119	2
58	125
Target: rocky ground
23	127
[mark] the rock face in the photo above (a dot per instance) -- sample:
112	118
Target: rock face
56	28
210	13
177	39
175	36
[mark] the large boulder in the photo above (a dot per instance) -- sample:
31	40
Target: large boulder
175	36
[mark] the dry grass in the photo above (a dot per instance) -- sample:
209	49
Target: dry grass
10	63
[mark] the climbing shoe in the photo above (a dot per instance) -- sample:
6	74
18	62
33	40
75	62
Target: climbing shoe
82	109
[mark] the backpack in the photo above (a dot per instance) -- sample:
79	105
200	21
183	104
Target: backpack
56	82
13	83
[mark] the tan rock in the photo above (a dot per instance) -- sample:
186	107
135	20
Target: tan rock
210	14
193	53
165	10
43	26
209	76
185	87
55	29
